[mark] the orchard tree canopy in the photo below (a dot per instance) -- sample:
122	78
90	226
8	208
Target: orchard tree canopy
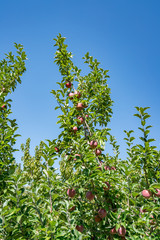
96	195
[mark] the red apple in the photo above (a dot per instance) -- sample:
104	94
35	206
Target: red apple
56	149
107	168
80	228
158	192
102	213
71	95
77	94
68	84
3	106
90	196
113	168
80	120
97	218
75	129
87	116
121	231
71	193
93	144
79	106
108	186
146	194
98	152
113	231
72	209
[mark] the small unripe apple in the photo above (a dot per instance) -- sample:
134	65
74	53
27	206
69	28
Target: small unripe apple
77	94
108	186
56	149
158	192
79	106
72	209
102	213
146	194
113	231
80	228
75	129
97	218
98	152
90	196
71	95
71	193
93	144
68	84
80	120
121	231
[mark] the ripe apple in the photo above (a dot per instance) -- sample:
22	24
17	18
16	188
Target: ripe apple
77	94
98	152
107	168
121	231
93	144
68	84
158	192
80	120
71	193
80	228
97	218
75	129
113	231
108	186
90	196
56	149
72	209
146	193
79	106
102	213
3	106
71	95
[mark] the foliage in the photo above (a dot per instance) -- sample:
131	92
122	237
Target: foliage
97	195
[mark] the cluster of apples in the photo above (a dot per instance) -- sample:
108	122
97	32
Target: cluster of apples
121	231
147	193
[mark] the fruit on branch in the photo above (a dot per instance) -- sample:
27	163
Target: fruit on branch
80	228
75	129
121	231
157	192
107	168
93	144
86	115
56	149
79	106
113	231
80	120
102	213
97	218
68	84
3	106
72	209
90	196
108	186
98	152
77	94
113	168
146	193
71	193
71	95
153	221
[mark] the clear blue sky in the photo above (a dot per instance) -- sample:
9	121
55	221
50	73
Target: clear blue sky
123	35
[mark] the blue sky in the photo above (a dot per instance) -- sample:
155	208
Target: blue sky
123	35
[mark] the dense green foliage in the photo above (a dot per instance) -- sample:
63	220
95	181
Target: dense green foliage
96	194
